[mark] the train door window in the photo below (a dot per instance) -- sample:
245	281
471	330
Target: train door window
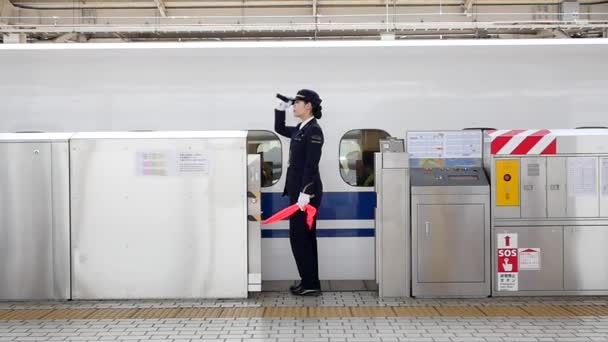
268	146
357	148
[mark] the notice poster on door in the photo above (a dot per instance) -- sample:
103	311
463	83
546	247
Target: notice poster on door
604	168
507	266
582	176
154	163
171	163
189	163
529	259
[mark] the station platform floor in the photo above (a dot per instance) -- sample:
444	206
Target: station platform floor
341	313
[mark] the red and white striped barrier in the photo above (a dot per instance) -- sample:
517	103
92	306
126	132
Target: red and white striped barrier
523	142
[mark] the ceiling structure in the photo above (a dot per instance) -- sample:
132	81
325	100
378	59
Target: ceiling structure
160	20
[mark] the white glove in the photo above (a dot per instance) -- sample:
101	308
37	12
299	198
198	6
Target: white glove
303	200
282	106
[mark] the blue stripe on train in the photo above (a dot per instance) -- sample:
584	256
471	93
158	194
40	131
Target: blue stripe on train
321	233
334	206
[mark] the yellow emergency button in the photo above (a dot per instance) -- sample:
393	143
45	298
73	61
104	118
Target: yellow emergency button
507	182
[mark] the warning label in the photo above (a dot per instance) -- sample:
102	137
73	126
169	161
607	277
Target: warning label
506	240
507	282
507	259
529	259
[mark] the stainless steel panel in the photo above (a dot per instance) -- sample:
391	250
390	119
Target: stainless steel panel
604	187
550	241
450	243
34	230
394	237
254	231
61	219
506	212
586	258
138	234
458	255
395	160
392	144
556	186
552	222
588	141
451	190
454	177
533	187
583	186
378	212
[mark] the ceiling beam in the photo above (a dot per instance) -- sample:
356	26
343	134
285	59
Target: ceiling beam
301	28
468	6
6	10
160	4
191	4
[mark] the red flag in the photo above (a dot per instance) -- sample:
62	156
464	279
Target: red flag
310	215
285	213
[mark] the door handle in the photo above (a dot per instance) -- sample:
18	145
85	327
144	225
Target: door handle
554	187
427	228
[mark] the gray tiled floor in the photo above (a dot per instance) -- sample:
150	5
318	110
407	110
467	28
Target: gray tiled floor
327	330
302	330
271	299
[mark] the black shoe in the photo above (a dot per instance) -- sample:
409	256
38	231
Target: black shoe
307	292
295	288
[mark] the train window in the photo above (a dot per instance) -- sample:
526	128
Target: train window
357	148
268	146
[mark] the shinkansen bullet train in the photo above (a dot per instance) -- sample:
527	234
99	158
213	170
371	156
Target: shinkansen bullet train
370	91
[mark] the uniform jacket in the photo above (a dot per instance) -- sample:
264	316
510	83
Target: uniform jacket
304	156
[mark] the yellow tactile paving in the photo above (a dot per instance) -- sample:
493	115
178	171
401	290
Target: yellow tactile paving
242	312
70	314
416	311
503	311
329	311
199	313
112	314
546	311
26	314
286	312
585	310
3	313
460	311
372	311
303	312
156	313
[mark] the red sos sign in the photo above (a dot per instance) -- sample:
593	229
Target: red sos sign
507	260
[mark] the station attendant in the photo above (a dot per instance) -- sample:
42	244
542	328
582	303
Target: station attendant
303	183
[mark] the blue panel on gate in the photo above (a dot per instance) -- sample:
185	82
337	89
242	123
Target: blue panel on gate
321	233
334	206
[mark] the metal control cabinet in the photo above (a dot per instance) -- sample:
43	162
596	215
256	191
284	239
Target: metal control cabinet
450	232
550	197
392	221
34	216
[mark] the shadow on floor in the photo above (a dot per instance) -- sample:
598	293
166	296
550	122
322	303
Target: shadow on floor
326	285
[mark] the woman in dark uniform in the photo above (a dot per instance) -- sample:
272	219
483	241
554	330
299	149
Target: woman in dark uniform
303	184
